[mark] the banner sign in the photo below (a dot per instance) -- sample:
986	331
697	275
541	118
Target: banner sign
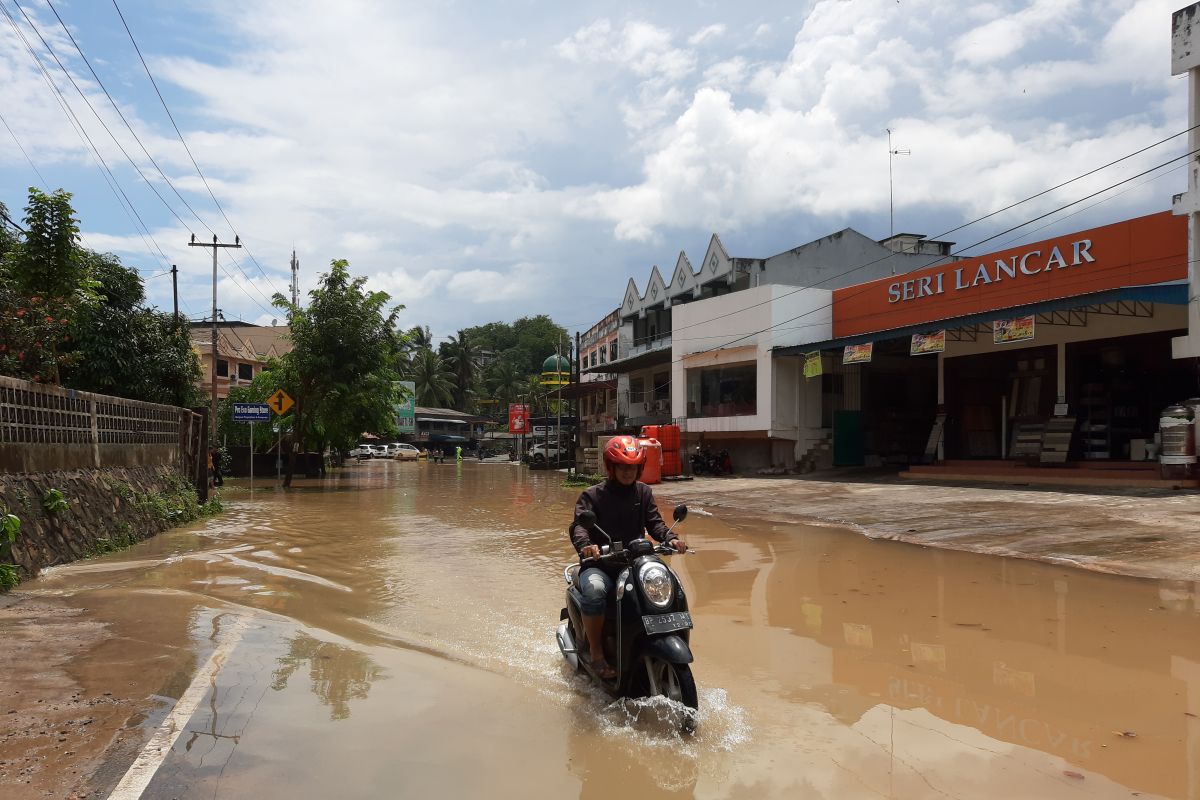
812	364
251	412
1019	329
858	353
518	418
406	409
924	343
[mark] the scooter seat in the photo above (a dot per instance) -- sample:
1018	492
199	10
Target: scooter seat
573	571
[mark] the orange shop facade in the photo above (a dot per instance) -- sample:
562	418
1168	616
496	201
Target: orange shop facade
978	358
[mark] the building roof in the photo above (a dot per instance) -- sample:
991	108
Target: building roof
447	414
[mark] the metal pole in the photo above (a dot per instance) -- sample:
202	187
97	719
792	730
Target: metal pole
279	455
251	456
214	339
175	292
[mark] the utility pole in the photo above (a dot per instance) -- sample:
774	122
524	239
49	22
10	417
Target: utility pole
295	281
175	292
237	242
892	153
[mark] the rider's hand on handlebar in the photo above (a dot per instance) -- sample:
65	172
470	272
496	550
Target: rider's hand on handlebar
679	544
590	551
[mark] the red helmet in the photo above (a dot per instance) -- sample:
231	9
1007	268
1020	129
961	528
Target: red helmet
624	450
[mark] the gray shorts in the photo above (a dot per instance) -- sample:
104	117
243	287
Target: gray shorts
595	586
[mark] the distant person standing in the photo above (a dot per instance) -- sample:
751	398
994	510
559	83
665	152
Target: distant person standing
214	468
458	453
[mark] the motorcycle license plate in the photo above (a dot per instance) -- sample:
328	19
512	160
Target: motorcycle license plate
666	623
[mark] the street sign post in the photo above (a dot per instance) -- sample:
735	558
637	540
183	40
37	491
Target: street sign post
253	412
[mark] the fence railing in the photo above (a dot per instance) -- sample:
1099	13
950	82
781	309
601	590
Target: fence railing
48	427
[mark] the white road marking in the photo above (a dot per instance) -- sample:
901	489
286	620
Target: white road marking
159	747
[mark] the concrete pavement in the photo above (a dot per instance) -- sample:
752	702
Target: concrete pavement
1138	532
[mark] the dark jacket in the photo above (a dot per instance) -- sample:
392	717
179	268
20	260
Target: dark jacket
624	512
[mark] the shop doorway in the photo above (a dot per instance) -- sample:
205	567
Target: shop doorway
992	397
1118	386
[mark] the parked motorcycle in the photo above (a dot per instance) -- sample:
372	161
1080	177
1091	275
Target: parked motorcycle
706	462
646	626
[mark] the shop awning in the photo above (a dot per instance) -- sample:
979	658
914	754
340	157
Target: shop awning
444	419
642	360
1171	293
575	390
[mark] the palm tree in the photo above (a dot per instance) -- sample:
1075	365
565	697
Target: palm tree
434	382
462	354
412	341
505	382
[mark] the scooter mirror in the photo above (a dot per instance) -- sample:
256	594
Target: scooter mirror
587	519
680	512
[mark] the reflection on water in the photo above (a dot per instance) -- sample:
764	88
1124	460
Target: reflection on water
337	674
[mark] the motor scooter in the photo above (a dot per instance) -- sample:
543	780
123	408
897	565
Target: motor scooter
647	626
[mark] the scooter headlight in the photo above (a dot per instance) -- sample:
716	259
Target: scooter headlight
656	583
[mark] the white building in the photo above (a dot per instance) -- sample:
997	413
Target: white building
735	395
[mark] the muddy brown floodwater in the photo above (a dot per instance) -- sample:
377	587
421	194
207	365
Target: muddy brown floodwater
389	632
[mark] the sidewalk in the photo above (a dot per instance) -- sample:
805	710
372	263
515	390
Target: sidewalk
1140	532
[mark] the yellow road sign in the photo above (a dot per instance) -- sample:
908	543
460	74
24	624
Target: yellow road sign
280	402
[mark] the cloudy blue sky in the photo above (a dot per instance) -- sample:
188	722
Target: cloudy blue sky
483	161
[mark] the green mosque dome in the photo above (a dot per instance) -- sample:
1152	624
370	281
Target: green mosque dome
556	363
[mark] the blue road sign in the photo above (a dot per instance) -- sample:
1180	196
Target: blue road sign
251	412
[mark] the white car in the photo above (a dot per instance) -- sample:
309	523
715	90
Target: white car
542	452
405	452
378	450
363	451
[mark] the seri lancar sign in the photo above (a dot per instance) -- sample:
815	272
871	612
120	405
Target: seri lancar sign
1136	252
1028	264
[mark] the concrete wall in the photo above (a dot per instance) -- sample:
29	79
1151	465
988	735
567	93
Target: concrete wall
103	504
842	259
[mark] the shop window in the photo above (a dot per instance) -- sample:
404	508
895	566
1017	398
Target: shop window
637	390
245	372
722	391
612	351
662	386
222	368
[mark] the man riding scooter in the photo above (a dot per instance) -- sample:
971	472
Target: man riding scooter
625	510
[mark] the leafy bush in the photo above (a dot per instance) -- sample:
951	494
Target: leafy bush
10	526
55	502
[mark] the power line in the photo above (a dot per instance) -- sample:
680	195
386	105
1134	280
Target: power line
182	141
943	258
21	147
111	179
968	224
120	114
96	114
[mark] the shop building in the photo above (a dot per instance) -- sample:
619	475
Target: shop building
646	358
1054	353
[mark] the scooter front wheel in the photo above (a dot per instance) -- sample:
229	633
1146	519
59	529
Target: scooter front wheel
673	681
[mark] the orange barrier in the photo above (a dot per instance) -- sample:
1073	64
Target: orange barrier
652	472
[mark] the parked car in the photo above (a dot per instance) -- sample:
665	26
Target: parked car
363	451
405	452
391	449
552	452
379	450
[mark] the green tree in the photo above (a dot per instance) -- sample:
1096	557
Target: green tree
72	316
341	368
120	347
463	355
526	342
434	381
505	382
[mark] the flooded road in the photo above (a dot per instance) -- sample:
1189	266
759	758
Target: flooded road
389	632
